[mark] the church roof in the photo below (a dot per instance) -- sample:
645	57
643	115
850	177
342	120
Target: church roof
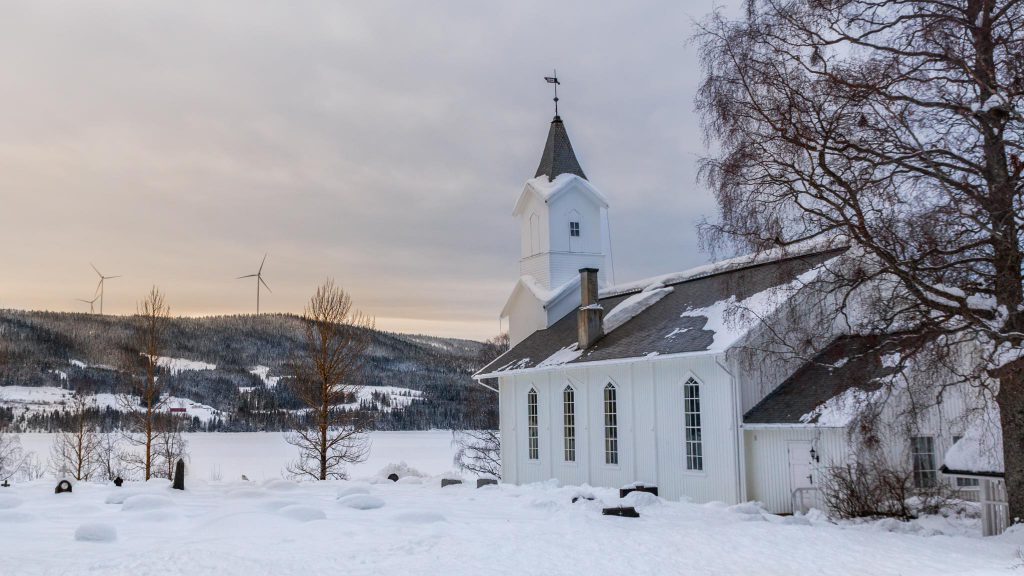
828	390
558	157
686	316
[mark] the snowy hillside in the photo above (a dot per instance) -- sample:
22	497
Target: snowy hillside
228	370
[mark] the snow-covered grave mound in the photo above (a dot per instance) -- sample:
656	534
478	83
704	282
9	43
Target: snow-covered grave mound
272	526
96	532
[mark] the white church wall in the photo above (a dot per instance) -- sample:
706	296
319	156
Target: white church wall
526	314
769	477
649	397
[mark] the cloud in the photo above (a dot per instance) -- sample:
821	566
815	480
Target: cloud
379	143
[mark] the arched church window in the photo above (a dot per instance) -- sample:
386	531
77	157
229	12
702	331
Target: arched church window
532	425
611	425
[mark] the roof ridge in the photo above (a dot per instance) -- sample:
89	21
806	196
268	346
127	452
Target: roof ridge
713	269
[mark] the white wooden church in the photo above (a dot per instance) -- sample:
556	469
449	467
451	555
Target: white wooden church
653	382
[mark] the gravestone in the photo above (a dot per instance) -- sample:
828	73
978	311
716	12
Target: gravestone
449	482
576	499
62	487
118	481
638	488
6	484
623	511
393	477
179	475
481	482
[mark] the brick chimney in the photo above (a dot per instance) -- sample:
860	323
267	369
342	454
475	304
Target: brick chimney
590	315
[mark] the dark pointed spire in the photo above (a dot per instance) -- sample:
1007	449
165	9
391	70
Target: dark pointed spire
558	157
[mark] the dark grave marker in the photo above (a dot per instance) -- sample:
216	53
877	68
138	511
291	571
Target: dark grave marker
6	484
118	481
576	499
449	482
393	477
62	487
179	475
481	482
623	511
638	488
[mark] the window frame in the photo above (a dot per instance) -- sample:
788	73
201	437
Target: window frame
569	424
693	430
532	425
610	399
924	477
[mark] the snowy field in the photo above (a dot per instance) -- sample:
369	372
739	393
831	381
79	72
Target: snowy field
373	526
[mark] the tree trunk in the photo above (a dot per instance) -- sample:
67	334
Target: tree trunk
1011	415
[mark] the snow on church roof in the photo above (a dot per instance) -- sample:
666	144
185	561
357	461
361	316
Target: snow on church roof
831	389
689	318
980	451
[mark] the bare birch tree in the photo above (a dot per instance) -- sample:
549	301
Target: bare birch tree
478	446
144	402
897	126
169	446
75	452
327	376
12	456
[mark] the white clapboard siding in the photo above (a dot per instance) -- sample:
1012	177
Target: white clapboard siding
768	476
650	427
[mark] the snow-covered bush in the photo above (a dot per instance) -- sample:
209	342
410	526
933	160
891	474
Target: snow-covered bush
401	469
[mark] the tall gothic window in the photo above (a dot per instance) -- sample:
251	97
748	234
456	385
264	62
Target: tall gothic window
532	425
691	424
611	425
569	422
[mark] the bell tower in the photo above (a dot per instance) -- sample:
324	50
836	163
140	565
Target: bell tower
563	221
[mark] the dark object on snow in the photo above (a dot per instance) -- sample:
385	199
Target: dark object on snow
179	475
481	482
62	487
624	511
393	477
245	478
576	499
118	481
449	482
638	488
6	484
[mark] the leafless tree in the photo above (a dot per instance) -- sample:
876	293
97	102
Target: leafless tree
169	446
12	456
144	401
478	446
336	339
108	457
897	126
75	452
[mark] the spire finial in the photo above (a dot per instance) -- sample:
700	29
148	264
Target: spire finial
553	79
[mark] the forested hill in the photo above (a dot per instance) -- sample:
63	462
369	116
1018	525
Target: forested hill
232	364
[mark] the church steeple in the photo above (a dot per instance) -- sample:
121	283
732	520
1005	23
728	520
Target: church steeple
558	157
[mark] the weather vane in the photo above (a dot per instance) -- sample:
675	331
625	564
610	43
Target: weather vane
553	79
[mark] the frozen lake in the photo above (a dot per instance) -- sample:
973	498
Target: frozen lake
263	455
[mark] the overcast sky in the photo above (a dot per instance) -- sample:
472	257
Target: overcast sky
382	144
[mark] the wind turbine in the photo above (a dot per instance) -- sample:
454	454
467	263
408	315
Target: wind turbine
90	302
99	287
259	280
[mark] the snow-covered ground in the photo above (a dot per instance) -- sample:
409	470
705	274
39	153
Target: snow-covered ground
373	526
